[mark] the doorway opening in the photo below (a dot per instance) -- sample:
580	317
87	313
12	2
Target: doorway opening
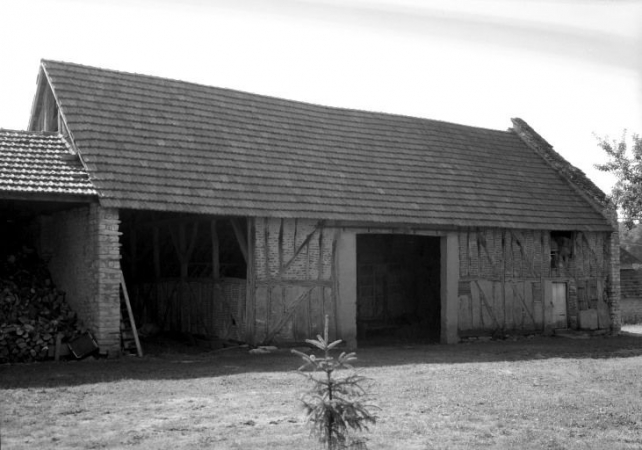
398	288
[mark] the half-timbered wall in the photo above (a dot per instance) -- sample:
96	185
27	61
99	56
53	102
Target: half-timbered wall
506	279
291	280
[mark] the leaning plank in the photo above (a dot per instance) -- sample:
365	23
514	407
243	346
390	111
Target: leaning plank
131	315
287	315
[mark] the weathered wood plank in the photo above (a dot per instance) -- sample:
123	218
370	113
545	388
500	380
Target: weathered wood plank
465	313
287	314
509	307
486	296
476	307
538	304
547	291
261	315
532	307
525	298
301	320
316	311
497	293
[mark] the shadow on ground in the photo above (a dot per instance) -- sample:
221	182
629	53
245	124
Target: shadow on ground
181	362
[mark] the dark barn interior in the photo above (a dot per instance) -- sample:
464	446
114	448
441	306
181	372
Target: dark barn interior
398	287
186	273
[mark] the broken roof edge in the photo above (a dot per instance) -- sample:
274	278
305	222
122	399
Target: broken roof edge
575	177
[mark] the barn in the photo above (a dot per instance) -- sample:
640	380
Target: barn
250	217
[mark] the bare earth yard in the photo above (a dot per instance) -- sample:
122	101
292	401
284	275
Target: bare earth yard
540	393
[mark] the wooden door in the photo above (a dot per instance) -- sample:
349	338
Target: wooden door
558	305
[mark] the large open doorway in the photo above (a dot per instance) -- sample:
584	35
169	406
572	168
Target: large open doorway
398	287
186	274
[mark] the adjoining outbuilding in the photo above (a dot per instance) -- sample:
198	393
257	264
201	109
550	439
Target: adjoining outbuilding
631	287
252	218
47	200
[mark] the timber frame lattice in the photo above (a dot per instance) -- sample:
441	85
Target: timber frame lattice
291	279
506	275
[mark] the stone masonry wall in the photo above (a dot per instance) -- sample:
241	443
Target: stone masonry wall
66	242
83	249
106	265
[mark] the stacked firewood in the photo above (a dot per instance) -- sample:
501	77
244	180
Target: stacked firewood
33	312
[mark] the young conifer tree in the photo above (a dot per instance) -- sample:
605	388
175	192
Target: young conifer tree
334	405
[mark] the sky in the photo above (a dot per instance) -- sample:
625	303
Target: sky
570	68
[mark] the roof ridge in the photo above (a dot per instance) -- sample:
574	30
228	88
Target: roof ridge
271	98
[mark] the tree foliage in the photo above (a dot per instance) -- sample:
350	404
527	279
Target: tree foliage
334	405
625	162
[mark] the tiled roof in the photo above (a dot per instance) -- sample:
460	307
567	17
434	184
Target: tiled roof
153	143
41	163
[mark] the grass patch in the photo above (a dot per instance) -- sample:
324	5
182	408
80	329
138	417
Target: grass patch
539	393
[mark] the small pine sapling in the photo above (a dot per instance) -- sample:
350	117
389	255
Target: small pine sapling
335	406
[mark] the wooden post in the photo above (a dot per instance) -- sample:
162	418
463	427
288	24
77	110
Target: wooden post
183	258
157	266
133	253
216	264
250	295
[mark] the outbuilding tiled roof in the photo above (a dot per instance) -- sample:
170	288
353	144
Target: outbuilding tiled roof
159	144
41	163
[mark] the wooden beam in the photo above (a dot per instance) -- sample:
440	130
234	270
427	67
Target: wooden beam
240	237
183	249
287	265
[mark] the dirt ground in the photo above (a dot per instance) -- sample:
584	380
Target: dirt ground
540	392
